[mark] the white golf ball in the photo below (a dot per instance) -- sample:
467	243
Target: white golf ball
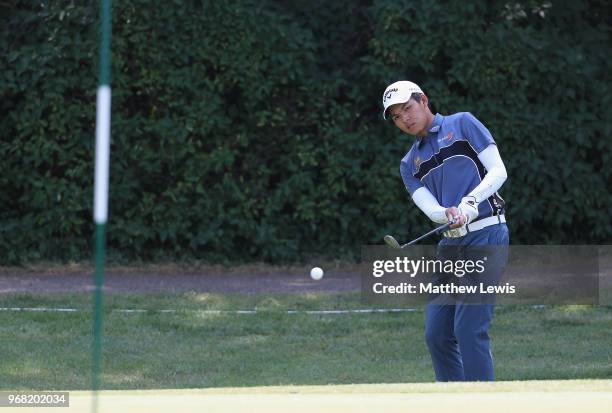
316	273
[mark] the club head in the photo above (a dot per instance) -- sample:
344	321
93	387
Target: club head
392	242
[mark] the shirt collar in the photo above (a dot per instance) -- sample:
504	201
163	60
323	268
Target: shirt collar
433	129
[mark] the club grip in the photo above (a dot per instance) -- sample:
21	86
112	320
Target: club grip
444	227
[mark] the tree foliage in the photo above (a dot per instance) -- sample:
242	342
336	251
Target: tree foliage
251	130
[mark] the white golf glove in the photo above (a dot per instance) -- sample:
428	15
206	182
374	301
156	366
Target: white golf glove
468	207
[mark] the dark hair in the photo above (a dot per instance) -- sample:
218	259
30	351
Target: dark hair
416	96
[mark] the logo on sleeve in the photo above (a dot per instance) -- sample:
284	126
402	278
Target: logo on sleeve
447	138
417	162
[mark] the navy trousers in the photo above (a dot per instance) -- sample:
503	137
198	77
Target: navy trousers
457	334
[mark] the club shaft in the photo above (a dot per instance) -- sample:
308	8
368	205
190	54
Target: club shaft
438	230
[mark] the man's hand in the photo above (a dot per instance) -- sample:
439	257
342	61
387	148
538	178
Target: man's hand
466	212
469	208
453	213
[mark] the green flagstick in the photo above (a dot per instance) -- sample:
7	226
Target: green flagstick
103	116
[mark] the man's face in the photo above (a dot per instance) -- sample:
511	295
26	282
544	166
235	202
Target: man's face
412	117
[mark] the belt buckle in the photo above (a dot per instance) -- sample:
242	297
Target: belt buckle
455	233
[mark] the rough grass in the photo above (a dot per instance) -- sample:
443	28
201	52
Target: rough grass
194	349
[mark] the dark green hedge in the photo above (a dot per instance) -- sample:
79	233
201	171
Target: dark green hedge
251	130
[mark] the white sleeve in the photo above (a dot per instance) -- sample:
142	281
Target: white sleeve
496	174
429	205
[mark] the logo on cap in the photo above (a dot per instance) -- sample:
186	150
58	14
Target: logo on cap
388	94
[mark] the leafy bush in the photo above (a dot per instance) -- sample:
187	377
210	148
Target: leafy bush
251	130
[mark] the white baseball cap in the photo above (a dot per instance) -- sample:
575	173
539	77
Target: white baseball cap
398	92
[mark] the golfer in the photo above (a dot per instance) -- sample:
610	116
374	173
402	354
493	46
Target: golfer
453	172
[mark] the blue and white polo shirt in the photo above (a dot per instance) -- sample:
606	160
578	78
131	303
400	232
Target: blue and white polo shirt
446	162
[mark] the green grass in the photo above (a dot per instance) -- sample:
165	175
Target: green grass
563	396
193	349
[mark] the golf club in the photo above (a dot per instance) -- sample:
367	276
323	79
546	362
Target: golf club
393	243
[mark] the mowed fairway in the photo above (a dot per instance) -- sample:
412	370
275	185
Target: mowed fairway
501	397
195	349
204	356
